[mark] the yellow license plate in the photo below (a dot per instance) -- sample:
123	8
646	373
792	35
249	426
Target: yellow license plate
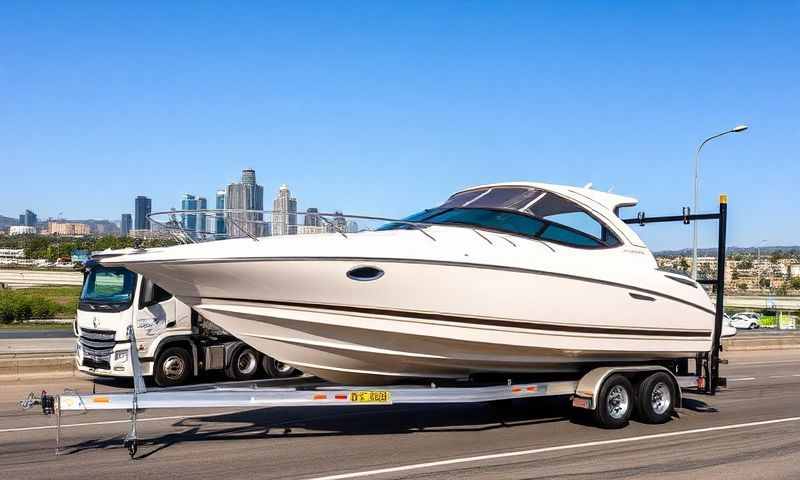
371	397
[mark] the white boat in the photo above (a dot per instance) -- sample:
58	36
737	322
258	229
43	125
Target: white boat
515	277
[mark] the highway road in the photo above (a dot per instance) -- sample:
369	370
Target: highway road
750	430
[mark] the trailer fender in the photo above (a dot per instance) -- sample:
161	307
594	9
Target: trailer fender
589	385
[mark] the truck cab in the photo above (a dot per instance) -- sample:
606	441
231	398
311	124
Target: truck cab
174	343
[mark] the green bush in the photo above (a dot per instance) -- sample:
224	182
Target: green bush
18	306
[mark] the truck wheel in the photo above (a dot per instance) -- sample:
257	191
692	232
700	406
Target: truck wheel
172	367
614	402
656	398
277	369
244	363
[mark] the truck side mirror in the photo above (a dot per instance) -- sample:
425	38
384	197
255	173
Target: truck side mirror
147	294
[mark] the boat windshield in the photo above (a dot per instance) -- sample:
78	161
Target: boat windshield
108	286
522	211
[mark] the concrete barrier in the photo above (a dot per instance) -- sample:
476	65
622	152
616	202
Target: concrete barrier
20	365
784	341
33	278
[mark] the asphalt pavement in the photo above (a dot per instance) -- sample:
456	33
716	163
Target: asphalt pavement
13	334
749	430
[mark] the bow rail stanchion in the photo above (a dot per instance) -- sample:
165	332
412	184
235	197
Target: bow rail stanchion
708	362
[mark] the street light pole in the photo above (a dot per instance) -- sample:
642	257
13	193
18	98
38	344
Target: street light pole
736	129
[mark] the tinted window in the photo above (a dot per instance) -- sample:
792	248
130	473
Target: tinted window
508	198
560	234
160	295
460	199
491	219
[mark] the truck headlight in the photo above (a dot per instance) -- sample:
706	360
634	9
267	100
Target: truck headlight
122	355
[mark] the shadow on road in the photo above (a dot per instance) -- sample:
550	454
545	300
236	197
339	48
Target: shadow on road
338	421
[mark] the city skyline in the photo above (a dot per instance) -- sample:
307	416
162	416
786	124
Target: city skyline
387	111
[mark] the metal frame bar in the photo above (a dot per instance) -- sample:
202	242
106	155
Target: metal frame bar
708	362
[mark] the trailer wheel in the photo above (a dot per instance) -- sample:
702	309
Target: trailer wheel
277	369
614	402
244	363
656	398
172	367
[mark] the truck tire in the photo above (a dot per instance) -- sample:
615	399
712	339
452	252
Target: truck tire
614	402
244	363
656	398
277	369
173	367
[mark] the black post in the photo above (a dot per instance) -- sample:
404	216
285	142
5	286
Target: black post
713	380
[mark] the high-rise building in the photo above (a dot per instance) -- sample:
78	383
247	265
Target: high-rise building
312	218
247	195
352	227
219	217
284	213
202	225
189	220
142	208
125	224
28	219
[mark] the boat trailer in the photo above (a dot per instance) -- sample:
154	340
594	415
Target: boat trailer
584	392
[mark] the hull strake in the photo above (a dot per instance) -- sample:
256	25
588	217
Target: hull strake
435	263
334	347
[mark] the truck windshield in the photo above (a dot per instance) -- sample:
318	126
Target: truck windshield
108	285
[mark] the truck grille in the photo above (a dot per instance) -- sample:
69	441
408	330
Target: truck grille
97	346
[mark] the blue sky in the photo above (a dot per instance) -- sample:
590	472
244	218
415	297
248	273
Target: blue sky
387	107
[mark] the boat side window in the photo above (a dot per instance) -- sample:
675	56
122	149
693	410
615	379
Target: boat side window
504	221
571	224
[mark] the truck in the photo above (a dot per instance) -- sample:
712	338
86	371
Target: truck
173	341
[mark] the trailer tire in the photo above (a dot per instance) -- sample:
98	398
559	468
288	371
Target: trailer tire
244	363
614	402
277	369
173	367
656	398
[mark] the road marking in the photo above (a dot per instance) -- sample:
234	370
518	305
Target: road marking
112	422
743	379
737	364
520	453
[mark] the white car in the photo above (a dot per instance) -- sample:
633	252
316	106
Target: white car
746	320
728	330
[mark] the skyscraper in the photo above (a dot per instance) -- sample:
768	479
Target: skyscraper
142	208
284	215
202	225
219	220
28	219
125	224
312	218
189	220
247	195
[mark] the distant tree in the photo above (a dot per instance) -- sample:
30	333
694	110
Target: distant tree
746	264
795	283
734	273
742	286
764	283
683	265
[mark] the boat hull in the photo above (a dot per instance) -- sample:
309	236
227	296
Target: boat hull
436	319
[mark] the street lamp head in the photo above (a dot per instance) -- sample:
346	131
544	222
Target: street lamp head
739	128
